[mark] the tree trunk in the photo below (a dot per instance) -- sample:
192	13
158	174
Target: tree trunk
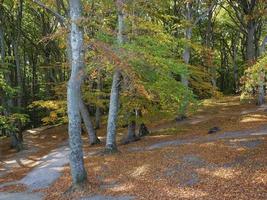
263	45
115	89
261	84
18	70
250	45
16	142
98	111
2	46
97	117
186	58
143	130
16	43
2	43
74	95
93	139
131	135
188	37
209	45
261	90
235	66
113	113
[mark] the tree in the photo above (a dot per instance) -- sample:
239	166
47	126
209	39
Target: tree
115	90
74	94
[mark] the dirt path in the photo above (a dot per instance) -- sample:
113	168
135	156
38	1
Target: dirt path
262	131
48	171
51	165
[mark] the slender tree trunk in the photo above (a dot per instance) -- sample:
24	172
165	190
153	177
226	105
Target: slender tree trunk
2	46
113	113
250	44
19	83
98	111
188	37
131	134
111	145
97	117
93	139
16	44
235	66
262	77
263	45
18	70
261	90
209	45
186	59
74	95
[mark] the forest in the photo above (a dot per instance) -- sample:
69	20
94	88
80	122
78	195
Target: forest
133	99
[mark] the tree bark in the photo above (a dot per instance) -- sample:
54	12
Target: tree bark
18	70
113	113
262	76
16	54
235	66
263	45
131	133
250	44
188	37
209	45
74	95
115	89
261	90
93	139
97	117
98	111
2	46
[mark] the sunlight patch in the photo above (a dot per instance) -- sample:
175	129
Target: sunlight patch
253	118
191	193
225	173
140	171
123	187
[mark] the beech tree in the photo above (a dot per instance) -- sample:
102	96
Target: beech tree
74	93
115	89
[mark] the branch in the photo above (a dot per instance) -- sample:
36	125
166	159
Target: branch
59	17
240	25
205	12
240	19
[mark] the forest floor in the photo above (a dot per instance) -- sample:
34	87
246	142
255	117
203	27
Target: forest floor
179	160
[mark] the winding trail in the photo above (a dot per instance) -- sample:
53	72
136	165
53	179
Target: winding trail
46	173
252	133
262	131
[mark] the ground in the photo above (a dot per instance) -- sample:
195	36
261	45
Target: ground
179	160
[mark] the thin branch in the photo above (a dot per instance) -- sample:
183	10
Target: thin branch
236	12
241	27
59	17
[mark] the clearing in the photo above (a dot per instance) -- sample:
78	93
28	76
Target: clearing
179	160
